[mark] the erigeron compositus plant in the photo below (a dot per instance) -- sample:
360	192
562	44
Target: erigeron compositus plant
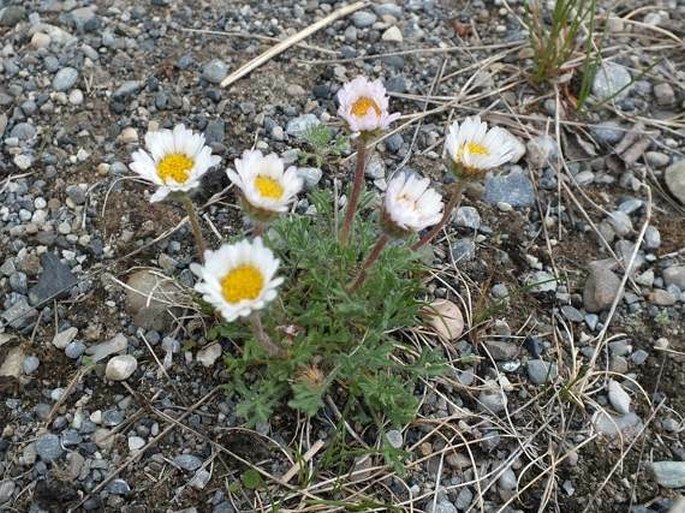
176	161
472	150
331	331
364	106
266	188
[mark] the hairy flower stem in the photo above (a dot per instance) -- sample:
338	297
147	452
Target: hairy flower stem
356	189
456	192
200	243
370	260
258	229
258	330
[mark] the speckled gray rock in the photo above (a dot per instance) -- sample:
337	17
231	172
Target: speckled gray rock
49	447
65	79
501	350
11	15
669	474
188	462
541	372
215	71
494	400
7	488
514	189
611	81
541	151
363	19
311	176
54	281
116	344
609	132
463	250
467	217
674	176
675	275
612	425
299	125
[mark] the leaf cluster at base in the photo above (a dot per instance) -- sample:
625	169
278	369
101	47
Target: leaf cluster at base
347	346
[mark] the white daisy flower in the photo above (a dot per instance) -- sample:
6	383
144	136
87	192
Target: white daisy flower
475	149
238	279
364	105
410	205
265	186
177	160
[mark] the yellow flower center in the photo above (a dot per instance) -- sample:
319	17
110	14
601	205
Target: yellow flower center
363	104
244	282
176	167
405	200
477	149
268	187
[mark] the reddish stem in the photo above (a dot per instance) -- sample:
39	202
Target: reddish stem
370	260
356	190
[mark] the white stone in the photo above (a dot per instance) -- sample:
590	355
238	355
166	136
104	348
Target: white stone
619	398
121	367
445	318
392	35
63	338
207	356
128	135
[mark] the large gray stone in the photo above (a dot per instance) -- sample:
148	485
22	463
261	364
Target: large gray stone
674	176
675	275
151	300
601	288
669	474
514	188
611	81
55	281
65	79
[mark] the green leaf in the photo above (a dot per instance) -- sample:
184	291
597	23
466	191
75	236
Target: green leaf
252	479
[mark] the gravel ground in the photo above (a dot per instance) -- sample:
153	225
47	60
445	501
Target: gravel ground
559	399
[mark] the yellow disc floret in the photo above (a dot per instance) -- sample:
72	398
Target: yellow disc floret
477	149
268	187
242	283
363	104
176	167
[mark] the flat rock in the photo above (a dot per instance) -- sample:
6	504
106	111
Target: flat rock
669	474
601	288
299	125
100	351
514	189
619	398
20	315
7	488
612	425
149	300
62	339
208	355
675	275
188	462
445	318
540	371
55	281
674	177
501	350
49	447
13	364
